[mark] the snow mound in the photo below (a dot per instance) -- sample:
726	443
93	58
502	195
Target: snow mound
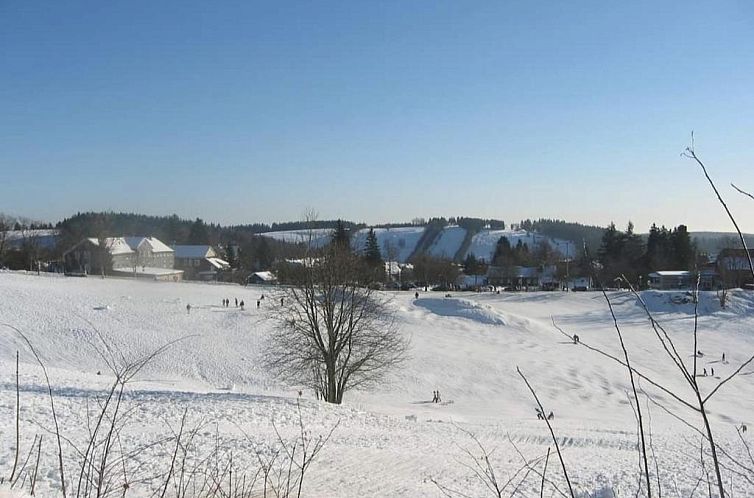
462	308
739	302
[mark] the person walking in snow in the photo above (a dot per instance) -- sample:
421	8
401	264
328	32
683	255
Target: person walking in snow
434	396
281	301
575	339
723	357
258	303
438	397
416	295
188	309
241	303
712	371
236	302
705	372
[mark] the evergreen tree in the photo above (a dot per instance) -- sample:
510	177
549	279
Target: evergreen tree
683	250
372	254
198	235
230	255
341	237
503	255
471	264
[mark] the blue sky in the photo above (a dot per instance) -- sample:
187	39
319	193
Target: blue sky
377	111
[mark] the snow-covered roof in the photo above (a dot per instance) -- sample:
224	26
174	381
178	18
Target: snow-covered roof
218	263
115	245
265	276
155	244
193	251
127	245
670	273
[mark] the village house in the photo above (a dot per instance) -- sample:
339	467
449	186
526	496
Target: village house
142	257
519	277
670	280
733	268
682	280
199	262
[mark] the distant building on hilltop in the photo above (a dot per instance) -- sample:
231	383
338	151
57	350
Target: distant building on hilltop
142	257
199	262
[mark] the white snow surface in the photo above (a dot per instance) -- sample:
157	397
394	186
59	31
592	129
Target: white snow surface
448	242
319	237
392	440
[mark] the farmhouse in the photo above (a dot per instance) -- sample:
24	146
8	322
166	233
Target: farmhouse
199	262
144	257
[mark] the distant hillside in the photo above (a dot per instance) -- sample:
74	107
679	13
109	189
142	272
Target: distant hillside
559	229
403	243
713	242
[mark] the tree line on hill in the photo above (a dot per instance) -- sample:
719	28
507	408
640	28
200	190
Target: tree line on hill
616	252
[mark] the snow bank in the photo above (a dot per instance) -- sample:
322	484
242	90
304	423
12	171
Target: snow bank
462	308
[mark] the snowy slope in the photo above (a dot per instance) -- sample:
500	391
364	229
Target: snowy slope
318	236
448	242
403	240
400	241
483	243
391	440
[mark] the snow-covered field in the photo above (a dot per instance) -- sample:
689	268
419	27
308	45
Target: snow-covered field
393	440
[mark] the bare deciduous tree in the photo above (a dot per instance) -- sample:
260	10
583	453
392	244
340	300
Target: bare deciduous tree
331	332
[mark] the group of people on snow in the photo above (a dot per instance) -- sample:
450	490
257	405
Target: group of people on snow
226	303
541	415
699	354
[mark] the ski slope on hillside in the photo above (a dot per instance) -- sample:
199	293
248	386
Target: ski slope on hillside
317	237
448	242
483	243
391	440
396	244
